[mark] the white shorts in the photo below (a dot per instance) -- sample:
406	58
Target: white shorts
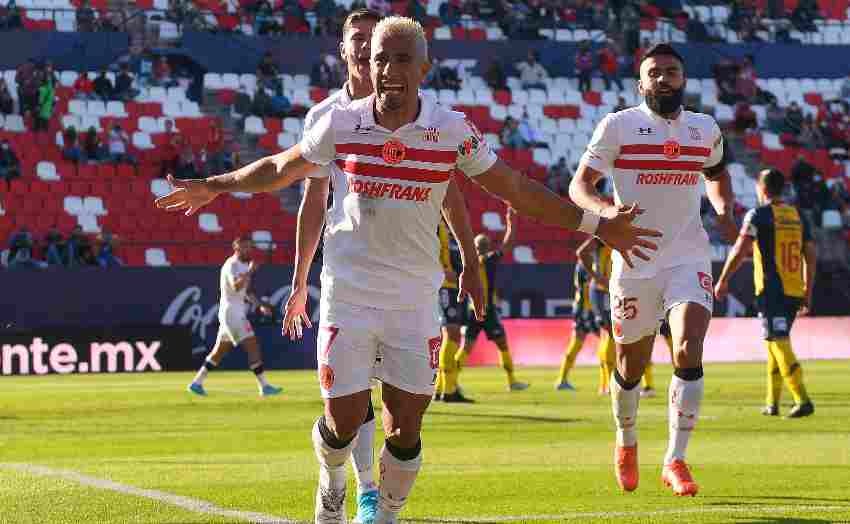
351	339
638	305
233	326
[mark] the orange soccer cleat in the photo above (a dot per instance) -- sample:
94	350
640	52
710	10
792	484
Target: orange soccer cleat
676	475
626	467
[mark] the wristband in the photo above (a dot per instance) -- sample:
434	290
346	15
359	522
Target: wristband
589	223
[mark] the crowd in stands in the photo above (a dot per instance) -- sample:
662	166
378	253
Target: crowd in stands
54	250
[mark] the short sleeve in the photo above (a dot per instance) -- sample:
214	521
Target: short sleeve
474	155
318	144
750	226
715	158
604	146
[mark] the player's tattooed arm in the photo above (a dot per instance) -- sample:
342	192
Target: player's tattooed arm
719	191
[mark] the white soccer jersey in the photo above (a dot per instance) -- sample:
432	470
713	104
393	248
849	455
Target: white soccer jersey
658	163
380	247
231	298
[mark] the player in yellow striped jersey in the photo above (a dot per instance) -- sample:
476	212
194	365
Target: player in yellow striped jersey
784	274
583	324
491	325
595	258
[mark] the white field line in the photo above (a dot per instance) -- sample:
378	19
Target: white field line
208	508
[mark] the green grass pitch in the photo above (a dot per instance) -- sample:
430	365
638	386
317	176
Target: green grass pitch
534	456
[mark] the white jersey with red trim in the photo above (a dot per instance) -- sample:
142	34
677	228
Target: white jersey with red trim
380	247
658	163
232	299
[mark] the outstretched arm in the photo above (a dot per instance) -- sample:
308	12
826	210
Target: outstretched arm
742	248
509	239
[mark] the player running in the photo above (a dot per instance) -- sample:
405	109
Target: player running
583	324
234	329
491	325
397	151
784	272
596	259
354	48
656	154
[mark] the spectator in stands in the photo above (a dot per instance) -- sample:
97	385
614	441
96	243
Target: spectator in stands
584	67
78	251
267	65
323	75
21	251
93	150
696	30
383	7
621	104
26	76
804	15
745	81
46	101
7	103
775	118
85	17
609	66
71	150
162	75
841	197
532	73
530	135
559	176
49	74
118	146
416	11
450	13
782	32
10	166
103	87
794	118
510	135
215	148
124	84
811	136
170	152
53	247
638	55
495	76
745	118
186	164
107	243
845	89
10	17
84	87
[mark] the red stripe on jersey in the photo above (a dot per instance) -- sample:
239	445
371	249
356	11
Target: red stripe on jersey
417	155
658	149
395	172
658	165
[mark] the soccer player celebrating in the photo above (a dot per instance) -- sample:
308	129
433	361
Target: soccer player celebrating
492	324
234	329
397	152
780	240
583	324
596	259
655	153
354	49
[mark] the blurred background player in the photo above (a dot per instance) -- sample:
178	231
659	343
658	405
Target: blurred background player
595	257
583	324
452	315
234	329
784	271
491	325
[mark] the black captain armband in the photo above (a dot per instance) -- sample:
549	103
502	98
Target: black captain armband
714	172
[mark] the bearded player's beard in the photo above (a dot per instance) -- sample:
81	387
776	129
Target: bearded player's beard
665	104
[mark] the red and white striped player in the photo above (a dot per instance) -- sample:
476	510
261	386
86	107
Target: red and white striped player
657	154
397	153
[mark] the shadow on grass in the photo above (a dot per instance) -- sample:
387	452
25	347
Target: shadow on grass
500	416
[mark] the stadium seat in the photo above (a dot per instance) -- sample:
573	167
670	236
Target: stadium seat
524	255
442	33
93	205
209	223
254	126
47	171
242	196
160	187
286	140
88	223
142	140
831	220
771	141
73	205
263	240
292	125
230	81
155	257
212	81
67	78
492	221
172	108
95	108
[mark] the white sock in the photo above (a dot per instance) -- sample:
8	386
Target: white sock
261	375
685	400
202	373
363	456
624	404
397	478
331	466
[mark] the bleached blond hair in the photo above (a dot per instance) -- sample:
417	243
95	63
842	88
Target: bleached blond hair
401	26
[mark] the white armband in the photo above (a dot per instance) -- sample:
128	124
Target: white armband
589	223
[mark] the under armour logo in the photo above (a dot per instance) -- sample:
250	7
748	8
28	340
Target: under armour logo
644	131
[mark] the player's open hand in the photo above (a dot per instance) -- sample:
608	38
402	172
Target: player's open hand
470	285
295	317
721	289
626	238
188	195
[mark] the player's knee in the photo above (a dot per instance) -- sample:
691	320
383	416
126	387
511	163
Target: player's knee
688	351
344	423
404	430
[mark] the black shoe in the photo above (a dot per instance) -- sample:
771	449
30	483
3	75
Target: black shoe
801	410
457	396
438	397
770	411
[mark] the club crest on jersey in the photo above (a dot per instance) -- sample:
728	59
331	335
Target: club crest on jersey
672	149
475	132
393	151
705	281
644	131
694	132
432	134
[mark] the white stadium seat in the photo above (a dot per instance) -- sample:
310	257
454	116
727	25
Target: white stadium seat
46	171
524	255
155	257
492	221
160	187
209	223
254	126
93	205
88	223
73	205
263	240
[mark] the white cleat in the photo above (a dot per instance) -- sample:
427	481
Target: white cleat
330	506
